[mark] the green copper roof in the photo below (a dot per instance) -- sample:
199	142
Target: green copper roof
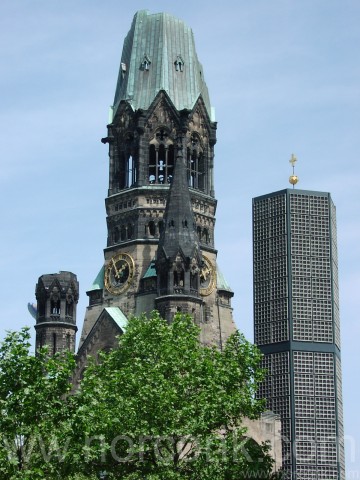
151	271
159	54
117	315
221	282
98	283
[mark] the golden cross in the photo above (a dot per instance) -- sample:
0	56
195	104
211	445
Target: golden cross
293	160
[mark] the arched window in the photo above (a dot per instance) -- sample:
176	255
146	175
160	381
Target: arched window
68	341
130	231
69	309
123	233
161	159
196	164
179	278
205	235
55	307
125	168
116	235
152	228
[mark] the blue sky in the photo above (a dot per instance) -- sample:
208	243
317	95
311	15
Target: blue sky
283	76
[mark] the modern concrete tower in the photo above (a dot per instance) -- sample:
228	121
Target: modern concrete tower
297	327
57	295
161	139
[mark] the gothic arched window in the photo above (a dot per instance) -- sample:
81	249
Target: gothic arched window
125	169
152	228
161	159
196	164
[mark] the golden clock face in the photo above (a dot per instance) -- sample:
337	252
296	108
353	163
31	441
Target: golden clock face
119	273
207	277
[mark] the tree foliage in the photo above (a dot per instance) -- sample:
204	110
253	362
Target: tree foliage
32	390
161	406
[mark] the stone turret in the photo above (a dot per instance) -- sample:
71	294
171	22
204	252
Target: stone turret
57	295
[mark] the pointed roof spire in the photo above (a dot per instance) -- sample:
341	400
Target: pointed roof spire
179	233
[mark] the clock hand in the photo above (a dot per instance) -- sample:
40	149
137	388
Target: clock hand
117	273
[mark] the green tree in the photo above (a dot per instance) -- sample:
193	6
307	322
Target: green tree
163	406
32	405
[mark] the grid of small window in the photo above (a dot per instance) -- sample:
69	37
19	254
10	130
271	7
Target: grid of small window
327	473
302	329
306	453
279	309
301	287
286	428
281	386
300	224
334	252
281	405
300	266
261	270
337	335
278	246
326	453
300	245
305	429
304	385
325	408
304	407
279	288
286	467
262	312
320	247
303	362
322	309
319	226
261	250
279	331
321	287
264	391
262	333
299	204
323	363
305	472
323	332
319	205
302	308
278	267
335	287
279	362
277	226
286	458
324	385
320	266
262	292
277	205
261	230
325	430
260	209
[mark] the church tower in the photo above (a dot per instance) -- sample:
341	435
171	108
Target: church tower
57	295
161	204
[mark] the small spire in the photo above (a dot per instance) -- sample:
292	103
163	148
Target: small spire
293	179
